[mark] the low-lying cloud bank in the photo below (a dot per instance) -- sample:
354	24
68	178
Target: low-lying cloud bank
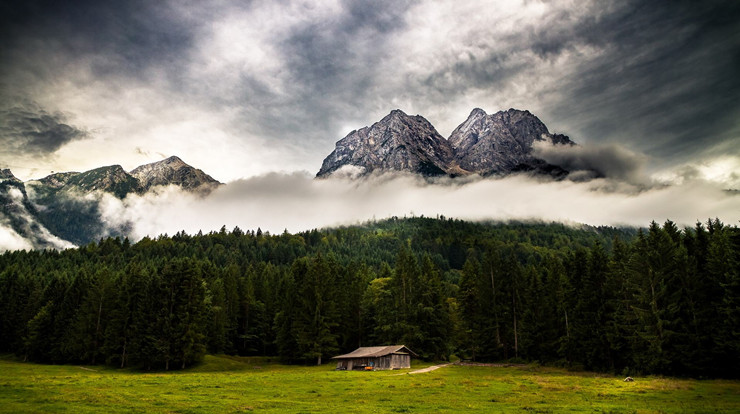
296	202
595	161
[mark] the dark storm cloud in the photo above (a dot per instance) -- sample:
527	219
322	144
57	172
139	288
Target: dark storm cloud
611	161
658	76
667	81
25	128
332	72
124	37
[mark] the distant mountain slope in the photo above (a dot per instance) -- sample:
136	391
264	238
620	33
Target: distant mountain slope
499	143
173	171
65	206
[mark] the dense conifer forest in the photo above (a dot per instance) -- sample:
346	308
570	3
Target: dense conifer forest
659	300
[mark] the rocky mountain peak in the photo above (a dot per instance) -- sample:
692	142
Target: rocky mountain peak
485	144
500	142
396	113
173	161
174	171
397	142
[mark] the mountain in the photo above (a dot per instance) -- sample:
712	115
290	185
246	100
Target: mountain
68	203
173	171
112	179
65	207
499	143
398	142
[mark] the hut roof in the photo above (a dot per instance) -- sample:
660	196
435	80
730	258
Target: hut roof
376	351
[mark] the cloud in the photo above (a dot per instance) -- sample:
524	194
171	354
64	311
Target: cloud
19	228
26	128
10	240
663	81
296	202
722	171
597	160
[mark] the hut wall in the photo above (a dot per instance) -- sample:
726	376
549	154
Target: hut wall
393	361
400	361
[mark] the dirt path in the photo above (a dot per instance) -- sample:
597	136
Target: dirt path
427	369
473	364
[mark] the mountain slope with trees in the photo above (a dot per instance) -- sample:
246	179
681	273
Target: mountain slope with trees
659	300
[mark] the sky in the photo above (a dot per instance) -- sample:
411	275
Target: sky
248	89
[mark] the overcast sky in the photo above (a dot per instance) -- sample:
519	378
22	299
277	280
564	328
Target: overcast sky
256	93
240	88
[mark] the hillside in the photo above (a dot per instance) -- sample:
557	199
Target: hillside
602	299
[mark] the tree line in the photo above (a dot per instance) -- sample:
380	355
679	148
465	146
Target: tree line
659	300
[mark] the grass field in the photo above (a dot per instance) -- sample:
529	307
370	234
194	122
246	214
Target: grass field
233	385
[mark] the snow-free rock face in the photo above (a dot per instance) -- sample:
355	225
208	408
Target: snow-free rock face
173	171
499	143
398	142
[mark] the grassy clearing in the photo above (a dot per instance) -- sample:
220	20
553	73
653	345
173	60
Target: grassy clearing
234	385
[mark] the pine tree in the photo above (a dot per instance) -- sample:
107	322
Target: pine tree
432	315
317	317
723	268
651	268
471	312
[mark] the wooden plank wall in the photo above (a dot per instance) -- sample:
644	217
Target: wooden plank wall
384	362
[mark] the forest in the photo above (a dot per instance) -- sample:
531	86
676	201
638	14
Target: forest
658	300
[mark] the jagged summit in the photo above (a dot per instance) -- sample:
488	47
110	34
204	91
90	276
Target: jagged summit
500	142
173	171
397	142
483	144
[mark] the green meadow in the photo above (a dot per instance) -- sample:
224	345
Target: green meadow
223	384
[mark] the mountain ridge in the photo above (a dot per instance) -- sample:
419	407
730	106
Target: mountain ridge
64	208
499	143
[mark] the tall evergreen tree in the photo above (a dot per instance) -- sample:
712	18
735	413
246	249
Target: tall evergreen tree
317	317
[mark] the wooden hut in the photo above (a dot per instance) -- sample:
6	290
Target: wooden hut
376	358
